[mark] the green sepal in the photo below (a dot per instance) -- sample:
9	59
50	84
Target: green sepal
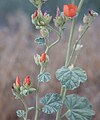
16	94
37	59
26	91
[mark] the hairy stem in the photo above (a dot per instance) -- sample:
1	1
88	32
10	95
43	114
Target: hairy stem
37	100
26	109
41	70
76	56
63	94
57	32
59	38
70	41
58	115
75	45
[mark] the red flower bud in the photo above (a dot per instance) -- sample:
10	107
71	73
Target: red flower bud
43	57
17	81
70	10
27	80
35	14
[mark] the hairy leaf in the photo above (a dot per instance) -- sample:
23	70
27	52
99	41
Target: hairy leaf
79	108
40	41
52	103
20	113
71	77
44	77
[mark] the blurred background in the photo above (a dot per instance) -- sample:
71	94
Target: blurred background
17	49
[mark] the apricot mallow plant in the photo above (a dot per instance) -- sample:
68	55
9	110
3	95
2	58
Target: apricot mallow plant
70	76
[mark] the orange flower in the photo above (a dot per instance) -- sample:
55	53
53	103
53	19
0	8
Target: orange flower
27	80
70	10
17	81
43	57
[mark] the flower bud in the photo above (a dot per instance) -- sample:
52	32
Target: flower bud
46	18
78	47
86	19
33	16
59	19
43	57
81	28
17	82
71	67
93	13
27	81
37	59
44	32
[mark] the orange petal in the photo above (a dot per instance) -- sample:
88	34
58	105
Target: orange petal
66	10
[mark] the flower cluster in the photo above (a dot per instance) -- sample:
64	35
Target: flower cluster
22	89
40	19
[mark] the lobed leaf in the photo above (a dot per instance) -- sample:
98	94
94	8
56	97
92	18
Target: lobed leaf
52	103
44	77
71	78
20	113
79	108
40	41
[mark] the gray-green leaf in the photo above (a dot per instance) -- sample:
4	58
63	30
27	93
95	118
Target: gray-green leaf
40	41
20	113
78	107
71	78
52	103
44	77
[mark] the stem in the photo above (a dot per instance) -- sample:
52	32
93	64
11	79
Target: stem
58	116
76	56
41	70
57	41
26	109
75	45
53	29
37	96
63	95
80	5
70	41
37	100
59	38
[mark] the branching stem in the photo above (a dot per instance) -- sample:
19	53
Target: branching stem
63	94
